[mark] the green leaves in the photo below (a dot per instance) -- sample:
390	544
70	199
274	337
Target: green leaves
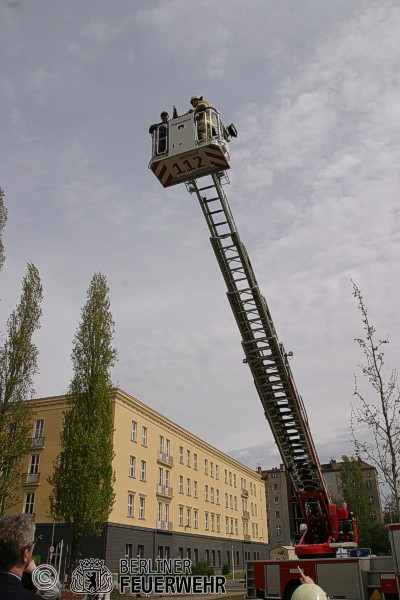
83	477
18	365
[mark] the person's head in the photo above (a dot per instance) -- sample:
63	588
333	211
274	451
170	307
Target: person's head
194	100
164	116
309	591
17	534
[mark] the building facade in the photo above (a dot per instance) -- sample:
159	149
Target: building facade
175	495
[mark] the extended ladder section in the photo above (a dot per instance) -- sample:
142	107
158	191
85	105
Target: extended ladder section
266	357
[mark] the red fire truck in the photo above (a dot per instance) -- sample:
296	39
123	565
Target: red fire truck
201	160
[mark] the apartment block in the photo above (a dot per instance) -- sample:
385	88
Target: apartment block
176	495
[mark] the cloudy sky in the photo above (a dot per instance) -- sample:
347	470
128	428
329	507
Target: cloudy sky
313	89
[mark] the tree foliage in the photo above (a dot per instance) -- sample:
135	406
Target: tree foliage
355	494
381	414
3	220
18	365
83	478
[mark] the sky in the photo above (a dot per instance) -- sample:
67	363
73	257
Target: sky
312	87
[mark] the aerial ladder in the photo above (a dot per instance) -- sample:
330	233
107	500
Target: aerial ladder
201	161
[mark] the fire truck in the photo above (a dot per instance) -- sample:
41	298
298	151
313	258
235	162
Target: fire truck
194	149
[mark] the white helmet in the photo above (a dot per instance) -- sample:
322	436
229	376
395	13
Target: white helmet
309	591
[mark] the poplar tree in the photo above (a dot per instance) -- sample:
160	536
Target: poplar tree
3	220
83	477
355	493
18	365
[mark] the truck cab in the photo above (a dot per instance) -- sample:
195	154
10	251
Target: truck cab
190	146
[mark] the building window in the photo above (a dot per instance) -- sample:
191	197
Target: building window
226	500
277	514
230	478
132	462
211	469
130	505
188	490
181	484
276	499
212	522
159	512
161	444
195	489
225	476
38	435
231	526
236	527
195	518
195	462
33	475
181	516
142	470
212	495
206	525
205	466
278	530
134	431
226	525
275	486
140	551
29	503
167	513
219	557
167	448
142	507
218	523
216	496
188	517
188	458
196	556
216	472
128	551
206	493
181	454
230	501
235	500
144	436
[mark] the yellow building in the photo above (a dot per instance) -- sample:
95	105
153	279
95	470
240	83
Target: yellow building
176	495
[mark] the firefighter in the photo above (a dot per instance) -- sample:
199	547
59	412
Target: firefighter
309	591
162	129
200	106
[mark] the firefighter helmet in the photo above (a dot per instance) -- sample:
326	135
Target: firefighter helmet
309	591
194	98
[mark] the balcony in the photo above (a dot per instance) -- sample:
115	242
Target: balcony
165	459
30	478
245	493
38	442
245	514
165	490
164	525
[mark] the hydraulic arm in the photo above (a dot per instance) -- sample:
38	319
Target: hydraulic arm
268	362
